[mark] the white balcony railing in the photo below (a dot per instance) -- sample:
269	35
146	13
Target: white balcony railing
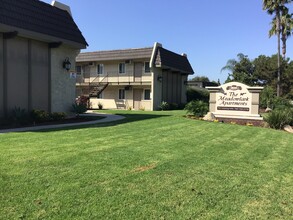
113	78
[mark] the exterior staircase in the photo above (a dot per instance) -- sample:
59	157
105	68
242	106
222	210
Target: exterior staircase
97	86
97	89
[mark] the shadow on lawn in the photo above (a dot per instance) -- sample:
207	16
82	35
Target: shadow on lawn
129	118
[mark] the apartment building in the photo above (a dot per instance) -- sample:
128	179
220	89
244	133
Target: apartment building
38	46
138	78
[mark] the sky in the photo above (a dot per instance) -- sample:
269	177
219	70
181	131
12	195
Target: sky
210	32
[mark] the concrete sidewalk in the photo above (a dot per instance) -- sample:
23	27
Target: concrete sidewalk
108	118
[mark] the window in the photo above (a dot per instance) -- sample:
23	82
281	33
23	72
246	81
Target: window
78	70
121	68
147	68
121	94
147	94
100	69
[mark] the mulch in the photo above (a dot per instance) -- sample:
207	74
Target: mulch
256	123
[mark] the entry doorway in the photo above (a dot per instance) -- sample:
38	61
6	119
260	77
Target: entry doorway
137	95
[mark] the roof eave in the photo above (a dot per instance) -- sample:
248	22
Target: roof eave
183	72
41	37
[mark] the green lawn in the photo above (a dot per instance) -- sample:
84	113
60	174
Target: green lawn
151	165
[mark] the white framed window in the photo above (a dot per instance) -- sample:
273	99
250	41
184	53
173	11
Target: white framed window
100	95
121	68
147	94
100	69
121	94
147	68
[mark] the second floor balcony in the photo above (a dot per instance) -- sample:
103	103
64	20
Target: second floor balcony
114	78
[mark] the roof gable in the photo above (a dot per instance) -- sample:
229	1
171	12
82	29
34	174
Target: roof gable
40	17
168	59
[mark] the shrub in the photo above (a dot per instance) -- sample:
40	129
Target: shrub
100	105
197	94
19	116
57	116
79	108
40	115
267	96
269	99
83	100
164	106
278	118
197	108
281	103
81	104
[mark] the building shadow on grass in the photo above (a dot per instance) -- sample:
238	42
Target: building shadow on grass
128	118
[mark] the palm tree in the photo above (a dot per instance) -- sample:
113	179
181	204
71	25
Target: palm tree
286	24
230	65
276	7
286	29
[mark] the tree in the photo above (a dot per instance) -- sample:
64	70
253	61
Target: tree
266	70
242	70
286	23
262	71
287	83
230	65
276	7
201	79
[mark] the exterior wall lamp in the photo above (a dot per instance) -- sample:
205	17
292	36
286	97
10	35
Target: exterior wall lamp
66	64
160	78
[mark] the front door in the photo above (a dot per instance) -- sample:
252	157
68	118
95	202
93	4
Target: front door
137	71
137	94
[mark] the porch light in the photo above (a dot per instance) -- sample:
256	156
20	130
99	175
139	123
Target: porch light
66	64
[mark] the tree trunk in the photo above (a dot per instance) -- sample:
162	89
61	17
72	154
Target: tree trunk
284	39
279	52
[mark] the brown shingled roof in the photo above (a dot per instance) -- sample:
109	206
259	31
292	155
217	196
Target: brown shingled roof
40	17
163	58
124	54
168	59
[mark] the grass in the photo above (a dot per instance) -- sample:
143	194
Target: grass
151	165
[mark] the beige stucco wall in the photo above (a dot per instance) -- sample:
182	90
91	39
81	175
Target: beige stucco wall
25	77
1	77
26	70
156	88
17	73
39	76
62	86
110	99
